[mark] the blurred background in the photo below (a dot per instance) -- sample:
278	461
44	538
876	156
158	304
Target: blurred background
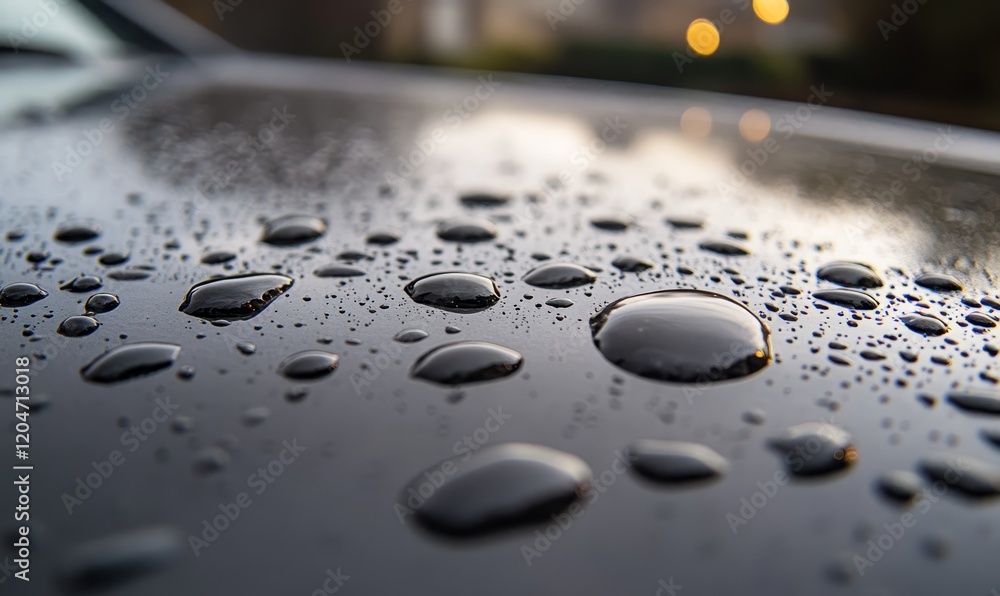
927	59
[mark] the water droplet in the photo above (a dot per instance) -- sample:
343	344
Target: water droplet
755	417
852	275
853	299
685	224
559	275
466	230
981	402
724	247
130	361
256	416
338	271
82	283
816	448
218	257
682	336
981	319
611	223
100	303
899	485
452	329
410	336
109	562
75	233
466	362
309	365
632	264
939	282
291	230
129	274
925	324
676	461
382	238
991	436
559	302
210	460
972	477
78	326
498	487
109	259
454	291
21	294
234	298
246	348
484	199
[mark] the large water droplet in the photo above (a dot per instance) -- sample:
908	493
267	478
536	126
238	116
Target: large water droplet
982	402
682	336
75	233
82	283
21	294
852	299
130	361
454	291
466	362
291	230
939	282
676	461
309	365
78	326
466	230
852	275
559	275
925	324
815	448
981	319
234	298
99	303
107	563
972	477
497	487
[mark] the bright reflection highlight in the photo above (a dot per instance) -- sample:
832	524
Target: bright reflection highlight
755	125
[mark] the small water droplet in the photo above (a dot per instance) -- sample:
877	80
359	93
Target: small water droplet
110	259
82	283
409	336
682	336
899	485
611	223
815	448
631	264
454	291
101	303
676	461
78	326
466	229
21	294
109	562
210	460
466	362
559	275
130	361
246	348
484	199
338	271
852	275
309	365
685	224
234	298
218	257
292	230
724	247
559	302
384	238
256	416
129	274
74	233
498	487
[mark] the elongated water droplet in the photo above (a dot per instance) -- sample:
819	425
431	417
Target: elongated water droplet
852	275
466	362
972	477
484	199
338	271
78	326
498	487
559	302
899	485
682	336
291	230
981	319
410	336
559	275
676	461
109	562
100	303
74	233
82	283
454	291
981	401
632	264
218	257
21	294
925	324
466	230
815	448
234	298
853	299
724	247
309	365
939	282
130	361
